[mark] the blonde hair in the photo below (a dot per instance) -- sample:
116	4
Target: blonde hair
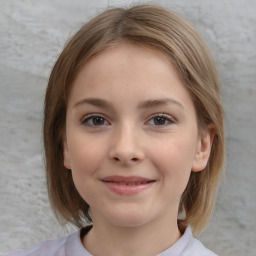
162	29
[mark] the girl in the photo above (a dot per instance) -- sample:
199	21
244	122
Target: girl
133	136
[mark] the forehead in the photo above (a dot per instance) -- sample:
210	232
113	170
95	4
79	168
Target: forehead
131	69
123	57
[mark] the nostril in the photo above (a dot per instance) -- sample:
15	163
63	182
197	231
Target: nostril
116	159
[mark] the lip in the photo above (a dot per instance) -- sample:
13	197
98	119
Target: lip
127	185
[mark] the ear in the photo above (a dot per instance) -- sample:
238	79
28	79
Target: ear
66	154
203	149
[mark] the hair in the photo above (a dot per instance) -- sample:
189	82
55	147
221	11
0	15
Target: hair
161	29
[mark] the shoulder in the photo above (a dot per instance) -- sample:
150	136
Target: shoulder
187	245
195	247
55	247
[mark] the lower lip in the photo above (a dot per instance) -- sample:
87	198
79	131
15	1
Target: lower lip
127	189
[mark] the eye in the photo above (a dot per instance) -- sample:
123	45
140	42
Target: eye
161	120
94	120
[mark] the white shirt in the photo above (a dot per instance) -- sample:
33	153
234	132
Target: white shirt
71	245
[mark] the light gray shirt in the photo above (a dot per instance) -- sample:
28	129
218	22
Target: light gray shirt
71	245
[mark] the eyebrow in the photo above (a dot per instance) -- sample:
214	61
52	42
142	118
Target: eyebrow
159	102
95	102
144	104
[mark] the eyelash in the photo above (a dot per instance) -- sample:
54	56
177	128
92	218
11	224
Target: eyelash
166	117
86	119
90	117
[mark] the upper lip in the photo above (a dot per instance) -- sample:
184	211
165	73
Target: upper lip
126	179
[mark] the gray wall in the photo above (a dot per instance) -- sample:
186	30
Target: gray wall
32	34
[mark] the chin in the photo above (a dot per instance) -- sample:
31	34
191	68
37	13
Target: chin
128	219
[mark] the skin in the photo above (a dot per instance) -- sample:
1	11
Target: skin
119	134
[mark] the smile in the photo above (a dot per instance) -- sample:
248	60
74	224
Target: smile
130	183
127	185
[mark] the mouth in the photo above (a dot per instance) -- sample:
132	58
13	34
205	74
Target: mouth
127	185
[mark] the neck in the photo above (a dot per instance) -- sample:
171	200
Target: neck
149	239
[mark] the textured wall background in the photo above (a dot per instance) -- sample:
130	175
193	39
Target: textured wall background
32	34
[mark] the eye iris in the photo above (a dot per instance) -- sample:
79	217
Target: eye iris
98	120
159	120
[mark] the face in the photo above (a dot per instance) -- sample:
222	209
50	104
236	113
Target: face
131	136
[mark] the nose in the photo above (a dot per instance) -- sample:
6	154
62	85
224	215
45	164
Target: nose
126	148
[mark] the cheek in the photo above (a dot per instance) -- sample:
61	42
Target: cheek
174	159
86	159
86	155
